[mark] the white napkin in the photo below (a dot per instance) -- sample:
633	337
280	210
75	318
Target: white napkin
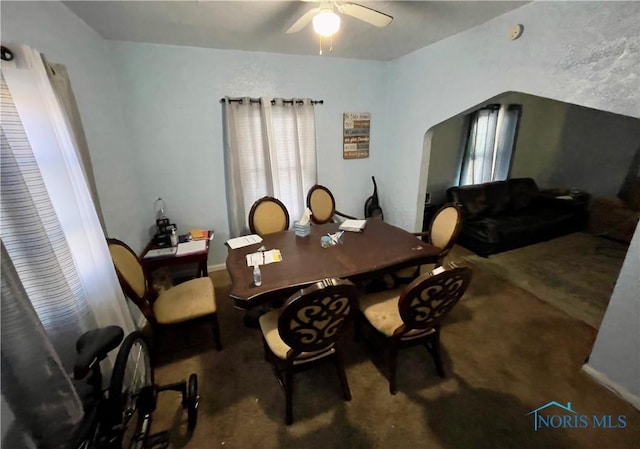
305	217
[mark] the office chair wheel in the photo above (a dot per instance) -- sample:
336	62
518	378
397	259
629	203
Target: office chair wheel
193	400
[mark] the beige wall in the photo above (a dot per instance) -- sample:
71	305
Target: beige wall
539	136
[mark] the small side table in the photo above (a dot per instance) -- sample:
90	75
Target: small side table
579	203
200	258
579	198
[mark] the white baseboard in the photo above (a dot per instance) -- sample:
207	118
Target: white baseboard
613	386
217	267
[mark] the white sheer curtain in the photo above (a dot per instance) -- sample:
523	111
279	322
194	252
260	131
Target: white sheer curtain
57	271
270	149
490	144
62	87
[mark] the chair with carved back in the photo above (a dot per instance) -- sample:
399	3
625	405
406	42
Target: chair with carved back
191	300
306	331
322	205
268	215
443	232
413	315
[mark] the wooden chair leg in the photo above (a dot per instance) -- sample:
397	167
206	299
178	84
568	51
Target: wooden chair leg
342	375
357	322
266	350
393	357
434	348
288	389
216	332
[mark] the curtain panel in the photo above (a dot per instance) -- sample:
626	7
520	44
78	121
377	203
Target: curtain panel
58	279
62	87
270	149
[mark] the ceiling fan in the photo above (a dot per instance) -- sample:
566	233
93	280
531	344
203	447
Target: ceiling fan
326	22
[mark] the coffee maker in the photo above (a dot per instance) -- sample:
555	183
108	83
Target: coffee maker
164	227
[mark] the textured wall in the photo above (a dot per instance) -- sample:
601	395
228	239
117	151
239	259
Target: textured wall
585	53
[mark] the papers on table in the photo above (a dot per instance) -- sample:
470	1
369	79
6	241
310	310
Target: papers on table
353	225
160	252
245	240
264	257
194	246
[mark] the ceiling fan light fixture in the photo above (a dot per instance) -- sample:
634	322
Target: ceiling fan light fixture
326	23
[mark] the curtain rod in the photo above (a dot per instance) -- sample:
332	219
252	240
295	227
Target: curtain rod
257	100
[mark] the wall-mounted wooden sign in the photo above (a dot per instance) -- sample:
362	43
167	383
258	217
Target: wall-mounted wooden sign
357	127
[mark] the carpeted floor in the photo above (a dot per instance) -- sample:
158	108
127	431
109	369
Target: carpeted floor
575	273
505	354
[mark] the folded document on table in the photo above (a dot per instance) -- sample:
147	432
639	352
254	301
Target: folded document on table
244	240
264	257
353	225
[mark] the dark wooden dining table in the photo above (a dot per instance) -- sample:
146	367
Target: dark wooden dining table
379	249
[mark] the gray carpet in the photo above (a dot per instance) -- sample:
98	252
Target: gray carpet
575	273
505	353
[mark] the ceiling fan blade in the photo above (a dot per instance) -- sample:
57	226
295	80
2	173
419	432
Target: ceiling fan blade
303	21
365	14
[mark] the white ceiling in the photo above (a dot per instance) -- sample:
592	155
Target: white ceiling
261	25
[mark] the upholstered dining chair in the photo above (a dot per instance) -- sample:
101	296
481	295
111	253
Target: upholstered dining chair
268	215
413	315
443	232
322	205
307	331
190	300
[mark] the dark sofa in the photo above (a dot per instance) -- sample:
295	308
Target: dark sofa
503	215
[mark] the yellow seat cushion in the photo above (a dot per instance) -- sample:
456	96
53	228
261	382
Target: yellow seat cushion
269	328
186	301
381	310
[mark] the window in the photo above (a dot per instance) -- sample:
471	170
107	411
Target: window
270	149
490	144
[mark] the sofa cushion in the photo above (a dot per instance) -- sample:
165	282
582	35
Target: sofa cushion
473	199
484	230
523	192
514	229
498	197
